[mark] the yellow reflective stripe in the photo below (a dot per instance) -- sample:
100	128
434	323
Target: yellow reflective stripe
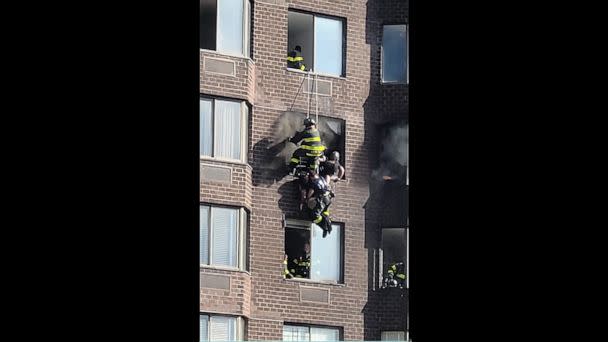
298	59
402	276
302	67
313	148
318	219
295	160
290	59
326	213
312	139
313	154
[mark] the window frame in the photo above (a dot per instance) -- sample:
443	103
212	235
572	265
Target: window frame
244	134
344	22
247	26
242	232
381	264
407	53
293	324
295	223
240	325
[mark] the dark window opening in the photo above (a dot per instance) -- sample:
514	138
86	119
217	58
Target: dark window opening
208	24
332	135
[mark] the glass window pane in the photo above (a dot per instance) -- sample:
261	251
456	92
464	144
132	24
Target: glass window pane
393	53
325	256
295	333
230	26
204	235
324	334
203	327
228	129
328	46
224	236
222	328
393	336
206	128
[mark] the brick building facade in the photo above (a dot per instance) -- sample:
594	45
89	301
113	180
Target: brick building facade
245	189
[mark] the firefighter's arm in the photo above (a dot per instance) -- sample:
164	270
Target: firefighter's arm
297	138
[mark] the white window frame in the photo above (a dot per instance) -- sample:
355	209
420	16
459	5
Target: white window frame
244	131
307	225
314	40
246	46
241	236
240	325
407	56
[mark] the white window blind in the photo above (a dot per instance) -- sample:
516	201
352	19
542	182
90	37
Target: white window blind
229	27
206	127
224	232
204	235
295	333
228	129
222	328
324	334
204	323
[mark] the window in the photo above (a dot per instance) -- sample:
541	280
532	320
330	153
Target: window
325	253
225	26
310	333
394	54
221	328
223	236
321	39
223	129
393	245
393	336
332	134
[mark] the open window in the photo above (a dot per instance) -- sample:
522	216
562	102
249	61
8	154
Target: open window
394	250
225	26
332	134
322	39
326	254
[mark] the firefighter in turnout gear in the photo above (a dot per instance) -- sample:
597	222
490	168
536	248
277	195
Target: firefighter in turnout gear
298	267
395	275
295	59
319	200
307	155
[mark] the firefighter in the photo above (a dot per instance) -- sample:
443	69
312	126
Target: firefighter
295	59
298	267
320	196
396	275
331	169
308	153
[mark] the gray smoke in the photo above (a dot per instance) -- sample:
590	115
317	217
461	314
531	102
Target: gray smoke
286	126
394	156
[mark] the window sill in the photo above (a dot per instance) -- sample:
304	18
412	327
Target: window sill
315	73
227	55
224	268
227	161
393	83
309	281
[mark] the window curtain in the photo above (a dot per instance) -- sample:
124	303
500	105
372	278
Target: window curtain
224	236
325	256
295	333
204	235
223	328
228	129
230	26
324	334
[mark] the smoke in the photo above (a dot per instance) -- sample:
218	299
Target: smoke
394	156
287	125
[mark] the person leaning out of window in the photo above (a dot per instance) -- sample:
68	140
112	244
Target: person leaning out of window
295	59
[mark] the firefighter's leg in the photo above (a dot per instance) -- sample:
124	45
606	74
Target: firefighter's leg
295	158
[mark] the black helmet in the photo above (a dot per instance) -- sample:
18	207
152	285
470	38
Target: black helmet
309	122
335	155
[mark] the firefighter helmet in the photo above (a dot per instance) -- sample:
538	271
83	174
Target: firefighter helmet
309	122
335	155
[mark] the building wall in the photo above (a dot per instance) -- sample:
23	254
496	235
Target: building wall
357	306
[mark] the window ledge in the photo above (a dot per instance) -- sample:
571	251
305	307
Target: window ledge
315	73
309	281
226	55
224	268
226	161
